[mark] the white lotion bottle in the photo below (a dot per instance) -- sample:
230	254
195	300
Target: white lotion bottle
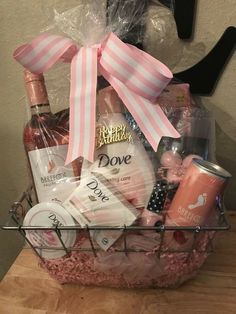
119	154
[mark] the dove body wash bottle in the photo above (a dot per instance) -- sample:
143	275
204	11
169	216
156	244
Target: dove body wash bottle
119	155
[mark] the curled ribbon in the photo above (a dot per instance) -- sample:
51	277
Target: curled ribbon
137	77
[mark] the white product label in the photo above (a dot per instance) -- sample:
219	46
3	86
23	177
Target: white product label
126	166
49	214
96	202
53	180
121	170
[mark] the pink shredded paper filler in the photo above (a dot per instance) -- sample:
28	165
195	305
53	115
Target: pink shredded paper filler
170	270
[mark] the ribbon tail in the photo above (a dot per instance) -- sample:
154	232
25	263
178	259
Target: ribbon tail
43	52
83	105
150	118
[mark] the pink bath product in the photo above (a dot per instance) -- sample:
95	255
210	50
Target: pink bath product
188	160
120	156
175	96
175	175
150	219
171	159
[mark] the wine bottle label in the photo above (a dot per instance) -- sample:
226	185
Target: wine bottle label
112	134
53	180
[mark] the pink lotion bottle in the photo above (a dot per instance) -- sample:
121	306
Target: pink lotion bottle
119	155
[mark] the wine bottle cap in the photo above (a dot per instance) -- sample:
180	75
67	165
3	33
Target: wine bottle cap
35	88
109	101
30	77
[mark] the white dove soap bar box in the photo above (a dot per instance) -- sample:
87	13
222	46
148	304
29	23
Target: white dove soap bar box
97	202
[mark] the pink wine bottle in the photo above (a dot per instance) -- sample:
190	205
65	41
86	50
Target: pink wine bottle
46	145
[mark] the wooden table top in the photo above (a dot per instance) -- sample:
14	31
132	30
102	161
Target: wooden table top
28	289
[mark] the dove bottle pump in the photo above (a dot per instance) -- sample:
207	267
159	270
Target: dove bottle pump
46	145
119	155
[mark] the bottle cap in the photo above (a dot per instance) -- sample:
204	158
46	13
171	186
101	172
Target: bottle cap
30	77
109	101
35	88
49	214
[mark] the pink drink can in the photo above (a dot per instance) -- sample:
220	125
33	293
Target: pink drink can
196	196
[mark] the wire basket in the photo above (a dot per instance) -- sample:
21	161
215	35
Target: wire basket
90	265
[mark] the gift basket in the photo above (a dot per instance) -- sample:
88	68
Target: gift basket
125	189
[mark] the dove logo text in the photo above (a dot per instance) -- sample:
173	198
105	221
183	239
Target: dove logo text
105	160
55	220
93	185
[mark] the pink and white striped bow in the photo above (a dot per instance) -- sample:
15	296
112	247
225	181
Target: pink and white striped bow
137	77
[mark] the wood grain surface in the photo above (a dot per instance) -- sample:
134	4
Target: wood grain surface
28	289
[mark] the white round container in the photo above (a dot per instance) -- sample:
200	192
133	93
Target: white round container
49	214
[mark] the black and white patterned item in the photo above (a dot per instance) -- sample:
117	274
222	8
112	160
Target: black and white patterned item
159	194
158	197
153	215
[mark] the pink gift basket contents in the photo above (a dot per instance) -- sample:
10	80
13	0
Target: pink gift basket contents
144	256
125	190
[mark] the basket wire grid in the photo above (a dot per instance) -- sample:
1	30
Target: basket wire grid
26	201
